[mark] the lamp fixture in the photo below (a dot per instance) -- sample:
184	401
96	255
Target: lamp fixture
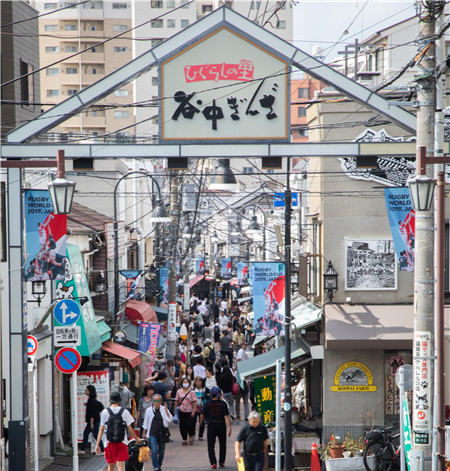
330	281
160	214
99	285
187	231
224	179
254	226
38	290
421	188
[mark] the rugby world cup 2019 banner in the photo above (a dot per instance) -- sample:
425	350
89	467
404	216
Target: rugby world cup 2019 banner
242	273
403	222
268	280
226	268
200	266
46	235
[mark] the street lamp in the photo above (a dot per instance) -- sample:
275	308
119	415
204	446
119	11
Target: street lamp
61	190
330	281
421	188
187	231
99	285
224	178
255	227
38	290
160	214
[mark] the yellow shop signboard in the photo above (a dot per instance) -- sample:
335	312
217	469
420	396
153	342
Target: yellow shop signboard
353	376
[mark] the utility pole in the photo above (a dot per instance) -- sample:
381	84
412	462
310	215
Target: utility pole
172	294
424	280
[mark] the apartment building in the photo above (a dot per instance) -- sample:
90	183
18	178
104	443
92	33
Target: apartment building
63	35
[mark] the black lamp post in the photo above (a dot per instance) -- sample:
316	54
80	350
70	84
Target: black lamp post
61	190
38	290
330	281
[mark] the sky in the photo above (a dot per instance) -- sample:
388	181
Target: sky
324	22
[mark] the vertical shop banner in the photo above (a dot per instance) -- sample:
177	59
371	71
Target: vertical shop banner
226	268
242	273
406	430
46	235
268	282
164	284
75	286
265	393
421	387
148	338
200	266
402	221
99	379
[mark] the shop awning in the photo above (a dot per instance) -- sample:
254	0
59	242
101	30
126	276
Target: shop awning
194	280
161	313
304	313
134	358
267	361
242	300
104	330
138	311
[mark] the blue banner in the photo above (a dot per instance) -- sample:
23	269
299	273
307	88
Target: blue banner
200	266
226	268
242	273
268	282
46	235
164	284
148	338
402	221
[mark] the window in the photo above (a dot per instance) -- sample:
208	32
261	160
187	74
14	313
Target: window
51	27
302	93
247	170
71	70
120	49
155	81
52	71
156	4
156	41
119	27
255	5
281	5
183	3
50	6
52	93
70	27
121	114
281	24
303	132
83	163
171	23
184	24
26	84
51	49
121	93
157	23
72	91
301	112
170	3
207	9
71	49
94	71
119	6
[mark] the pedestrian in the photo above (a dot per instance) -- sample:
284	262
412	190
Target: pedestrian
225	382
223	319
93	410
144	403
161	386
208	353
207	331
216	333
242	394
200	392
242	354
255	439
199	369
216	310
180	370
156	419
114	421
186	401
216	414
225	347
210	380
238	337
189	373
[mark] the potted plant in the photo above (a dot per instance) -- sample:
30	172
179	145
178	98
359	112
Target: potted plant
333	449
345	455
354	445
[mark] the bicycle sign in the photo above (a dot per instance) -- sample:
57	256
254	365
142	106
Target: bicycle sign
32	345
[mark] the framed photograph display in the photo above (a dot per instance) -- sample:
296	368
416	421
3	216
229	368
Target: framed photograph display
370	264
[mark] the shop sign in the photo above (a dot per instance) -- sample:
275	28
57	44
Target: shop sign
265	393
353	376
406	430
99	379
421	391
149	338
224	87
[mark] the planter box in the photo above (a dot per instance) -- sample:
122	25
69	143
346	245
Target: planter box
347	464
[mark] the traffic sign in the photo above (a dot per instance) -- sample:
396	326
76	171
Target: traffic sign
278	199
66	336
67	312
32	345
67	360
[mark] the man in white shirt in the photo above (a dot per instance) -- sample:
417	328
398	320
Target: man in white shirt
223	320
115	453
224	305
199	369
202	309
242	354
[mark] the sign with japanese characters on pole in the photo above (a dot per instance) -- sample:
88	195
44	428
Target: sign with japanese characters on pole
265	398
224	88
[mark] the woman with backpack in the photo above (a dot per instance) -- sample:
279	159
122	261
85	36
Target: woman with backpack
93	409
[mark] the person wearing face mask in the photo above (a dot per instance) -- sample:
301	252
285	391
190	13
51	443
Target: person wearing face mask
156	418
255	439
186	401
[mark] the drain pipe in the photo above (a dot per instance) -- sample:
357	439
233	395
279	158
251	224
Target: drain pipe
137	222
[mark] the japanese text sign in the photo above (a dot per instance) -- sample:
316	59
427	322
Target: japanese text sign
422	378
265	388
224	87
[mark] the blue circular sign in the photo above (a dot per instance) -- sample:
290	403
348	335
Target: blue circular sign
67	312
67	360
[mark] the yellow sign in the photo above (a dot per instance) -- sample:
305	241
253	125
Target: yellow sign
353	376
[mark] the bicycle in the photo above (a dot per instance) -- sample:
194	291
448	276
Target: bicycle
380	452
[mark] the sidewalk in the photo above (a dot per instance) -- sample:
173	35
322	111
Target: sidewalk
195	457
86	462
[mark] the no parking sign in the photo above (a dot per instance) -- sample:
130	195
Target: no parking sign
67	360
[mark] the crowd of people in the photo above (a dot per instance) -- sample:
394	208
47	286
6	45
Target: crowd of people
197	389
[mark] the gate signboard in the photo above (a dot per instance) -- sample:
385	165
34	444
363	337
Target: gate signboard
224	87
